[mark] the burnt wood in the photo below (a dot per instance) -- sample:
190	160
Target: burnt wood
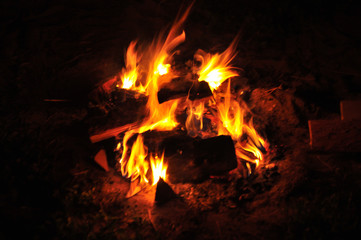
195	160
216	155
194	90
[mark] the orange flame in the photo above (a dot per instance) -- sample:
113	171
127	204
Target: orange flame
129	75
136	166
215	69
159	169
148	71
194	121
155	64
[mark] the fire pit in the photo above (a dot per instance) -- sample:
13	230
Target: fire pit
208	110
256	136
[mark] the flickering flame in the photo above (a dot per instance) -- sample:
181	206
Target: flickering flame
194	122
231	116
136	166
155	65
215	69
162	69
159	169
130	74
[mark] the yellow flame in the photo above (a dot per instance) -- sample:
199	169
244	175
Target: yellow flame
136	166
159	169
194	121
148	71
129	75
215	69
231	116
162	69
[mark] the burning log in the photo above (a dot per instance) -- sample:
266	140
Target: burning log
164	193
111	132
335	135
194	90
175	89
216	155
199	90
194	159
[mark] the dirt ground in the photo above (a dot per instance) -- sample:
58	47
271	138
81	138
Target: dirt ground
298	61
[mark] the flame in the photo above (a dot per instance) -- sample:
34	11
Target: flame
129	75
215	69
159	169
136	166
162	69
231	116
148	72
156	71
194	121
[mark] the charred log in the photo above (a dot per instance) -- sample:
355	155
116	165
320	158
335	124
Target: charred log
194	159
216	155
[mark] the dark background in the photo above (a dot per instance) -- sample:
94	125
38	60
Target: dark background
66	49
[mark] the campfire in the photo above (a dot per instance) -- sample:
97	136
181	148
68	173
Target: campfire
195	107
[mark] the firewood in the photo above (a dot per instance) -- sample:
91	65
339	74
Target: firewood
174	90
335	135
101	159
111	132
195	160
199	90
164	193
194	90
216	155
105	154
350	110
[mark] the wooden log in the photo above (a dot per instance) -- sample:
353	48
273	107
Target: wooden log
101	159
194	90
216	155
335	135
199	90
350	109
112	132
195	160
174	90
164	193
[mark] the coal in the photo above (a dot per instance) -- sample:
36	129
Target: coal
164	193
